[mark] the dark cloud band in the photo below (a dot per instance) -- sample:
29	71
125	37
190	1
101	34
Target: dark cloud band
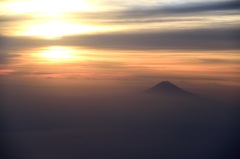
194	39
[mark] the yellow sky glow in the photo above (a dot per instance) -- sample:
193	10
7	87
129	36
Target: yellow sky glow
47	6
54	29
48	9
58	54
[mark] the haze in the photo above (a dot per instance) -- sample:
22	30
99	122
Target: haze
73	75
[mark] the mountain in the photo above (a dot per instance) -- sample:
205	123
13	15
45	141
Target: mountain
169	91
167	88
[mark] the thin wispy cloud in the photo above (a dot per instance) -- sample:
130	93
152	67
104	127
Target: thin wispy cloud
212	8
197	8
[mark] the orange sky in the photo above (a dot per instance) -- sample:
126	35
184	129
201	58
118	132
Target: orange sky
125	40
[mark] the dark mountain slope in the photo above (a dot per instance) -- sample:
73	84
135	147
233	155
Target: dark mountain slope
167	88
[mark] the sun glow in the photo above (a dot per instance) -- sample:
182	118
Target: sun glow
47	6
55	29
49	18
58	53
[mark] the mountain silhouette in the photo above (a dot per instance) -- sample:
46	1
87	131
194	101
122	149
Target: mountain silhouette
167	88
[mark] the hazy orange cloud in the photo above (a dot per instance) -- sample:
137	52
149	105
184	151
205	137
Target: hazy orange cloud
6	71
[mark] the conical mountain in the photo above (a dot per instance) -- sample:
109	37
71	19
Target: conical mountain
166	87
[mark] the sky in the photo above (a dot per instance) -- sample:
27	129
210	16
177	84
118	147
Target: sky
126	40
42	19
73	72
96	39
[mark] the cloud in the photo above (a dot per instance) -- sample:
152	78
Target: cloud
165	10
6	71
178	9
6	56
186	39
7	42
10	18
192	39
218	61
161	20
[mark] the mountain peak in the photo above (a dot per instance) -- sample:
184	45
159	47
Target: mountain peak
166	87
166	84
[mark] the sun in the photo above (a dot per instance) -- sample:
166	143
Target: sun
58	53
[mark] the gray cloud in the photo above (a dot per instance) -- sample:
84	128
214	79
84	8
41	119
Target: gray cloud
194	39
6	56
7	42
191	39
189	8
232	6
148	20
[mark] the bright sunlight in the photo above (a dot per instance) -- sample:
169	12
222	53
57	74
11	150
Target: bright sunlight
58	53
55	29
47	6
49	18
